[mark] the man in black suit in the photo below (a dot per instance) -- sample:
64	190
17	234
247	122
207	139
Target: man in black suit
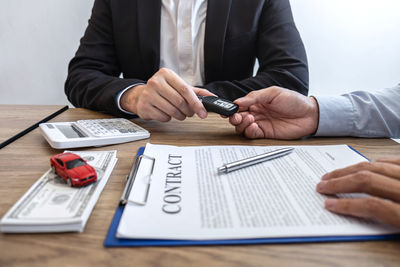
169	50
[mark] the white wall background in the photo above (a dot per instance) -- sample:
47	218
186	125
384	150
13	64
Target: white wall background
351	45
37	40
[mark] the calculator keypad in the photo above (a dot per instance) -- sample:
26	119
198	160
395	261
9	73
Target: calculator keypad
109	127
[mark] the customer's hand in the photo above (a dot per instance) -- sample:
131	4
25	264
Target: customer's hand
276	113
380	179
164	96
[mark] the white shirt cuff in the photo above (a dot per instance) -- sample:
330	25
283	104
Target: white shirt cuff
118	99
336	116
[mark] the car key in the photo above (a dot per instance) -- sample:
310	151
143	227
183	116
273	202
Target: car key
219	105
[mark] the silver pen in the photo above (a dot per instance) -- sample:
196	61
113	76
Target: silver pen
255	160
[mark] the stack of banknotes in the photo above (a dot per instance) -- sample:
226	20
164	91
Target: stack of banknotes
50	205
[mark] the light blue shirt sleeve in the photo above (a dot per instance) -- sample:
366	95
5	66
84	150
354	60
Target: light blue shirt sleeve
360	113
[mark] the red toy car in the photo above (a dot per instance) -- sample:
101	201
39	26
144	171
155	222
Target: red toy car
73	169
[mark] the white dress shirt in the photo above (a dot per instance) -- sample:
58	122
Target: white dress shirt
361	113
182	33
182	38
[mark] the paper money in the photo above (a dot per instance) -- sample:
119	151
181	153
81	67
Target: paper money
50	205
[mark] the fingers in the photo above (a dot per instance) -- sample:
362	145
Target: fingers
246	120
394	160
244	124
172	110
379	167
380	179
171	96
166	94
202	92
153	113
193	101
264	96
236	119
186	92
152	106
362	182
248	100
369	208
254	131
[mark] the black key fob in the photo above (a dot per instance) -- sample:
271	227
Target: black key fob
218	105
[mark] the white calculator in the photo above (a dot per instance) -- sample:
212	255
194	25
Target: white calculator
92	133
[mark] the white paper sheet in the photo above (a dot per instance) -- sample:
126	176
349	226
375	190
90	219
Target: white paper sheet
189	200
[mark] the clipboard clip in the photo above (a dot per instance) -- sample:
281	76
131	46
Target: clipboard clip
131	178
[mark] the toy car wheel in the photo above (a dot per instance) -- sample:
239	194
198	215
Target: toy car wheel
53	169
69	182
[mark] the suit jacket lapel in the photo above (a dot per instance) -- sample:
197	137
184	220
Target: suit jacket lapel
214	40
149	17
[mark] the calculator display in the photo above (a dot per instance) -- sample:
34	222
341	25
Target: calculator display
68	131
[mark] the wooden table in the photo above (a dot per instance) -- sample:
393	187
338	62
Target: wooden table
16	118
25	160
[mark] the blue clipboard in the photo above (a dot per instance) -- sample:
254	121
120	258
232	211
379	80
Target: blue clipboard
112	241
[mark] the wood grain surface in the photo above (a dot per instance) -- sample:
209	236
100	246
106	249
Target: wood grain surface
25	160
16	118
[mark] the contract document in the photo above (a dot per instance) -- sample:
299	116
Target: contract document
188	200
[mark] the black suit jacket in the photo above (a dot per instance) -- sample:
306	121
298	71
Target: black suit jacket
123	36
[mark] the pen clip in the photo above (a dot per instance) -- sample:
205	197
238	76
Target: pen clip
131	179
